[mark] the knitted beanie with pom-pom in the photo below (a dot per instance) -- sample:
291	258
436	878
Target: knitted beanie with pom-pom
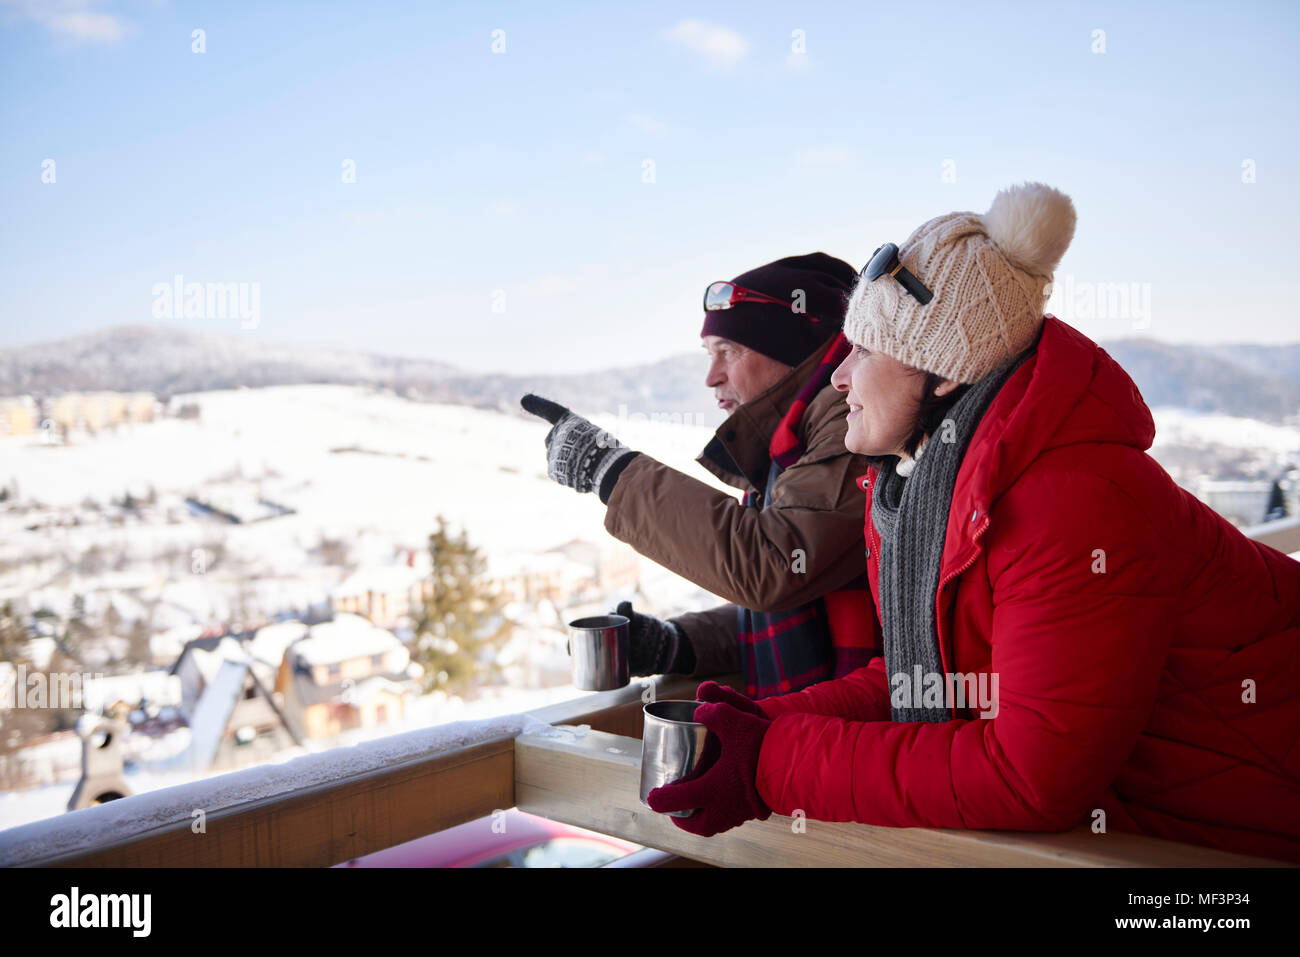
990	276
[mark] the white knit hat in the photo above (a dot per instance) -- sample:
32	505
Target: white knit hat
989	275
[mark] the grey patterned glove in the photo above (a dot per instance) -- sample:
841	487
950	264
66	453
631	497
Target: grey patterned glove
579	454
653	644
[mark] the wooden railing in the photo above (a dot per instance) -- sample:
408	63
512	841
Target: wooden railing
1284	534
564	772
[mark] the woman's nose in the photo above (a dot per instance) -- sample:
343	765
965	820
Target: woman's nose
843	372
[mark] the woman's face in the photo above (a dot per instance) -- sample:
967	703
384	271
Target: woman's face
883	395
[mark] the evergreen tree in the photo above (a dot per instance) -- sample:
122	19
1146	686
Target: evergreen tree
12	635
76	633
139	650
461	624
17	725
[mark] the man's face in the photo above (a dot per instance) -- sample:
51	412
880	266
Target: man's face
738	373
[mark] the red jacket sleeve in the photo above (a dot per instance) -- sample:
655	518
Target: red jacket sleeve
1078	654
861	695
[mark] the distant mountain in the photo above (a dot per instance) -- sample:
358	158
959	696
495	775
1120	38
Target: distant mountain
1281	361
169	360
1253	381
669	386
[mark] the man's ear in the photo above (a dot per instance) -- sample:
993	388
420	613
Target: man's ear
944	387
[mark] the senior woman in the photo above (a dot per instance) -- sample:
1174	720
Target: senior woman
1069	637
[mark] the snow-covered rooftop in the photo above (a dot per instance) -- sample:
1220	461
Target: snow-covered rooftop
347	636
382	579
157	686
269	643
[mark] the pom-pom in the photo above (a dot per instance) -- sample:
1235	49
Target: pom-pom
1032	225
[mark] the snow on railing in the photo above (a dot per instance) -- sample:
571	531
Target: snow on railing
137	814
320	809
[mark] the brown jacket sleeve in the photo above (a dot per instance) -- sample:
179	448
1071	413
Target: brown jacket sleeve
749	556
712	635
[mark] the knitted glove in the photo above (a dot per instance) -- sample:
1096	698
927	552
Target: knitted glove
722	790
655	644
712	691
578	453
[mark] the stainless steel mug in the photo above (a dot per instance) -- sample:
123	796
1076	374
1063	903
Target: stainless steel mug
671	745
600	651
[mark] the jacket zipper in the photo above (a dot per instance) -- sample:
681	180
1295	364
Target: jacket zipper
938	623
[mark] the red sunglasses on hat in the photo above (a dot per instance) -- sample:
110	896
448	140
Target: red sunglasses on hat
724	295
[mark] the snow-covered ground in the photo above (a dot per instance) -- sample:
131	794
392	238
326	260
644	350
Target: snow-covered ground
406	462
364	467
483	470
1195	428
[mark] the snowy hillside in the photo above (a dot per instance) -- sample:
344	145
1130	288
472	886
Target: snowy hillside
347	458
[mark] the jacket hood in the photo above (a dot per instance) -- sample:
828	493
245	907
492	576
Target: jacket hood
1070	391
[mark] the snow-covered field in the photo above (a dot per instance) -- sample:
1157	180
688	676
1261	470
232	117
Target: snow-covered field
483	470
1192	428
404	464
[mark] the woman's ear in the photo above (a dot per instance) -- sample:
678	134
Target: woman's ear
944	387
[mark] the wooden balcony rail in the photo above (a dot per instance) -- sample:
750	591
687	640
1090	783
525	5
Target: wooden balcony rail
555	769
1284	534
593	781
289	825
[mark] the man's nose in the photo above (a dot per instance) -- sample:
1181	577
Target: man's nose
714	378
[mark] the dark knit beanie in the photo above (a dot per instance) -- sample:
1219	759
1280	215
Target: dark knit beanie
778	331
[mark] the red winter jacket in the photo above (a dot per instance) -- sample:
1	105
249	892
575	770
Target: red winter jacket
1147	653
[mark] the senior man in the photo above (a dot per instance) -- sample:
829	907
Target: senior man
788	556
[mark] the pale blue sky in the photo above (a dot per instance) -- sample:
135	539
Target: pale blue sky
522	171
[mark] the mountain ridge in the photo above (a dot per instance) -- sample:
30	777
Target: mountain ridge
1246	379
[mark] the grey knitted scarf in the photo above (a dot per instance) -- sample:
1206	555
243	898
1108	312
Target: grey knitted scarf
911	515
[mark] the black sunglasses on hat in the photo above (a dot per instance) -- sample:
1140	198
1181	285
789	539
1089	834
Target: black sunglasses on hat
885	260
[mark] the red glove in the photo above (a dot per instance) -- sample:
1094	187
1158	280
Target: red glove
712	691
722	788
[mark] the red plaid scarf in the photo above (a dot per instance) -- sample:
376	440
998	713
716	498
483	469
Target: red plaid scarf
828	637
785	447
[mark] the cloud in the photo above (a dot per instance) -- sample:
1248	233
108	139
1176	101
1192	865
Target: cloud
504	208
647	124
720	47
74	20
823	156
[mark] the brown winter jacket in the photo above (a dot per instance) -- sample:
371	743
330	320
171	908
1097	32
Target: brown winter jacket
743	554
